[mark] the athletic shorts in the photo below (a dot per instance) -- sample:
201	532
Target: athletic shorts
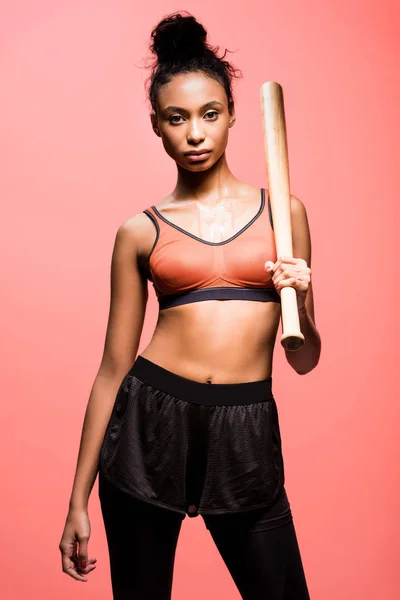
196	448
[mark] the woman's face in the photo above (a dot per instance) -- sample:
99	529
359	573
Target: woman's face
192	114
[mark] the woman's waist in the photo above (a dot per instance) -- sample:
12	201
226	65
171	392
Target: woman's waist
211	363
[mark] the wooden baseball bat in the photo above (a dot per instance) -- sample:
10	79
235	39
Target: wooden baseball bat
276	154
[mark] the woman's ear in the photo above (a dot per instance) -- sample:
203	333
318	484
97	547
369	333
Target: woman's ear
154	123
232	115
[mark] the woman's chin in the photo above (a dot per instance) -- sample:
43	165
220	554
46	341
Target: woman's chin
196	167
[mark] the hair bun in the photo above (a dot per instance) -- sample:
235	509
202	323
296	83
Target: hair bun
178	38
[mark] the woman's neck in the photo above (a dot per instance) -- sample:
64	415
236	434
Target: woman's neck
206	186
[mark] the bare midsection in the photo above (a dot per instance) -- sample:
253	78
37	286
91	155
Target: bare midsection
228	341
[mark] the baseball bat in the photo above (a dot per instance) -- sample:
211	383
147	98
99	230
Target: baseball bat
277	163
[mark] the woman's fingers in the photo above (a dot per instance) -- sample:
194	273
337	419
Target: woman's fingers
74	545
82	554
286	274
84	567
70	568
282	263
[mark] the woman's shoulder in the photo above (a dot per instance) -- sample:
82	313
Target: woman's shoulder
250	190
137	230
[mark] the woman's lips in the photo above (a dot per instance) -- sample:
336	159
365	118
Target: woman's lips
197	157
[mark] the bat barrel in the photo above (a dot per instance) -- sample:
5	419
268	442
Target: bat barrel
276	155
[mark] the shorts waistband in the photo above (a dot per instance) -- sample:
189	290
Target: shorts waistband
190	390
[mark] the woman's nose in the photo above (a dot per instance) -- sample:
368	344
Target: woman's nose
195	133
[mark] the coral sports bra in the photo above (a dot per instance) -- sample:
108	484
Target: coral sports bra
185	268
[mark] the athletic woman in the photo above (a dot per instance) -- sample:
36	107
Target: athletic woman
190	426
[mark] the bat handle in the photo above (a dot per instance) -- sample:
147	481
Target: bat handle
292	339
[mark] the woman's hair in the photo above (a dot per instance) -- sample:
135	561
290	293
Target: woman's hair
179	44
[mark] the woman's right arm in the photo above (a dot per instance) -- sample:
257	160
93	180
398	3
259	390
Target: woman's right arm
128	301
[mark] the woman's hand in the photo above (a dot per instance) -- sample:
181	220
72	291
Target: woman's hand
75	560
292	272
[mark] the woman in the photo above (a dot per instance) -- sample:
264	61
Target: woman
190	427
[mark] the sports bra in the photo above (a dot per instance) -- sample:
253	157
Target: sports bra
185	268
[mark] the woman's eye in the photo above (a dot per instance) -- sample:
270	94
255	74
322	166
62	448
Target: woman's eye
210	112
174	117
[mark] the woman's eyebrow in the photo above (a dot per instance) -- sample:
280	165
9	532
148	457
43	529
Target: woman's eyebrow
211	104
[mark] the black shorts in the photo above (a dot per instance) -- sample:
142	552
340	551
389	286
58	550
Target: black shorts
196	448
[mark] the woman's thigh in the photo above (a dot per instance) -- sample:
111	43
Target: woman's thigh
142	540
264	563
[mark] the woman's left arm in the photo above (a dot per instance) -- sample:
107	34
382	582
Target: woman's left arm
296	272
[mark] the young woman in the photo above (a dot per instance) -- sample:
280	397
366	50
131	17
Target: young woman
190	426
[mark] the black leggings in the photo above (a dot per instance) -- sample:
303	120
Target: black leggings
142	539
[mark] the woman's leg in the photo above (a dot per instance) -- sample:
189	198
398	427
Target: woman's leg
142	540
264	563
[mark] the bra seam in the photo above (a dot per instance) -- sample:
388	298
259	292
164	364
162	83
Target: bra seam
265	294
270	214
256	216
222	287
149	214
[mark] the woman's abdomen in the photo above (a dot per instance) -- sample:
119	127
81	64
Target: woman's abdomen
218	341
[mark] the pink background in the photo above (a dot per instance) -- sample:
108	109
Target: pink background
79	157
